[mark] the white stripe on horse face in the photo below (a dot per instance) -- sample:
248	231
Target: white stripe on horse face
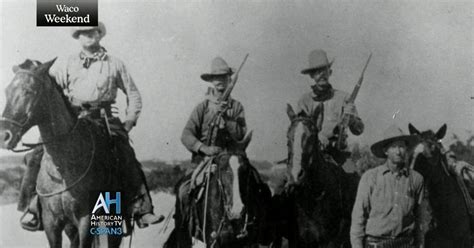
237	204
297	151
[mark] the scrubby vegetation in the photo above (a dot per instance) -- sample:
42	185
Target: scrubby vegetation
162	176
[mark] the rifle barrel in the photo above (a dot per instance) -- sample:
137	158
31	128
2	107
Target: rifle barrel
232	84
242	64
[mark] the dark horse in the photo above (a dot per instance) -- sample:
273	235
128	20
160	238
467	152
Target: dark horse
316	204
451	227
75	160
230	210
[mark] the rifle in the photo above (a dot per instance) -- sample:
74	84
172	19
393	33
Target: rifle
346	117
215	123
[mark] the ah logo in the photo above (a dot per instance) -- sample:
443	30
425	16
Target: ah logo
106	202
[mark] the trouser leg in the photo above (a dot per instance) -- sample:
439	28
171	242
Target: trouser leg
28	183
136	187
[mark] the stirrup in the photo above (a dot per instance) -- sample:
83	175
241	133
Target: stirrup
141	223
32	228
129	226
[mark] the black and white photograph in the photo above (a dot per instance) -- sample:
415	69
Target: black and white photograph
236	124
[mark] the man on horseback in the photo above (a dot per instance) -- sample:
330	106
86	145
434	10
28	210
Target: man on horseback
335	104
387	210
232	127
90	80
201	126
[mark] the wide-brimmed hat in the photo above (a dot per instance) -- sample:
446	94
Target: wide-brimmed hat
100	27
218	68
317	59
392	134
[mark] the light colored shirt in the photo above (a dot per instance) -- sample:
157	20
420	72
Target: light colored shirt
332	112
387	205
97	83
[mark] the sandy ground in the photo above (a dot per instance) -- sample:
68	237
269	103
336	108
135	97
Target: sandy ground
13	236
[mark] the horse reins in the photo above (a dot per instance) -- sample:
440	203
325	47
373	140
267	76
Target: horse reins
225	216
89	166
313	126
22	127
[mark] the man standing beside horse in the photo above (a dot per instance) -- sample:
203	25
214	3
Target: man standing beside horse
90	80
387	211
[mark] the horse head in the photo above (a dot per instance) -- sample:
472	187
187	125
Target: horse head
430	141
234	199
232	171
24	95
303	143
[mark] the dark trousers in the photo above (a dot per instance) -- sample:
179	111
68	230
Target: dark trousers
32	161
402	242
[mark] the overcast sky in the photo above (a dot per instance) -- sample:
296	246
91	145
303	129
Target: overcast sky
421	68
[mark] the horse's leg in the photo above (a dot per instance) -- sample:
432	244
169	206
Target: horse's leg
171	242
53	230
85	238
183	239
114	241
54	236
53	226
71	232
293	238
276	243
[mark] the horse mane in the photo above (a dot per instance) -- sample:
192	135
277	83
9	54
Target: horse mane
33	65
66	101
29	65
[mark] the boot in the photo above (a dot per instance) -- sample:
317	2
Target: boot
141	205
149	219
33	222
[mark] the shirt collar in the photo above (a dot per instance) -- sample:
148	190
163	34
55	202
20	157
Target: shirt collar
100	55
323	96
404	171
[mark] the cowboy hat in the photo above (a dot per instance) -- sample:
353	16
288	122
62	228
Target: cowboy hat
317	59
218	68
101	28
392	134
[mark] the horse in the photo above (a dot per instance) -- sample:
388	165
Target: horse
450	226
76	153
316	203
228	210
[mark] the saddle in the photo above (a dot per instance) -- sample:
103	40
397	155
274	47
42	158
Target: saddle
464	173
201	171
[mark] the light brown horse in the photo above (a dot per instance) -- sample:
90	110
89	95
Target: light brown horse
75	160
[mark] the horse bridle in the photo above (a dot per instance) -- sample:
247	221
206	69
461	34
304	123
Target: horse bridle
437	144
313	129
22	127
226	204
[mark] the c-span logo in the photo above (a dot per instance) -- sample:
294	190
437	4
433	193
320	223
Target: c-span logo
66	13
106	215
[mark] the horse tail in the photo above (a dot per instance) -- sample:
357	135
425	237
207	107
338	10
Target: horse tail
171	242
